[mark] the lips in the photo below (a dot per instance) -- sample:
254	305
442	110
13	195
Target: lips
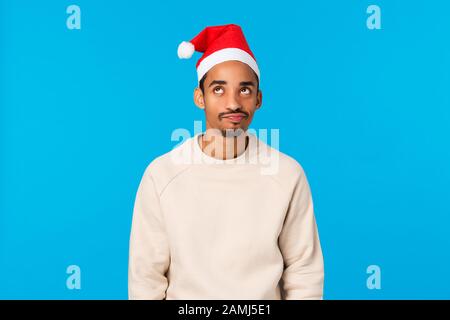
235	117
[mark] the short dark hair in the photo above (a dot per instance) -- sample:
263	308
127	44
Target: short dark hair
201	83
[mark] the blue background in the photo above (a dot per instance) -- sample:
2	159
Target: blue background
366	113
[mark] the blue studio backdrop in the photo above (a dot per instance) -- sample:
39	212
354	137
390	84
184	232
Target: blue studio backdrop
91	91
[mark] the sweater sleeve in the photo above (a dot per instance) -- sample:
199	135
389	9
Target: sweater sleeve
149	255
300	246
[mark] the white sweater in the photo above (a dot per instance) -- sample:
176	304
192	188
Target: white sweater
241	228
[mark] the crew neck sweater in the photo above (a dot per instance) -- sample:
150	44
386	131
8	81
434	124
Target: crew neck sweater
240	228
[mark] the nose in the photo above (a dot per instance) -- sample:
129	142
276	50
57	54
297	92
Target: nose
233	102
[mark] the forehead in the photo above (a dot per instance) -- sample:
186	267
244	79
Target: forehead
230	71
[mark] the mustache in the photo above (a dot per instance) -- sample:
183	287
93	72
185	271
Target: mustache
224	114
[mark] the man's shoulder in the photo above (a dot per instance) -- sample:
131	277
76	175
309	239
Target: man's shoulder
164	168
280	166
285	164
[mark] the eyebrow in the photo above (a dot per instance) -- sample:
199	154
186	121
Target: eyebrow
247	83
217	82
242	83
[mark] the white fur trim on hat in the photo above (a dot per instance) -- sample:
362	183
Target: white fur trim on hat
225	55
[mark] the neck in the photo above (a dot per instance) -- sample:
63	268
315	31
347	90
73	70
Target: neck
217	146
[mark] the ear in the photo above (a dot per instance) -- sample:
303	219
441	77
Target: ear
198	98
258	99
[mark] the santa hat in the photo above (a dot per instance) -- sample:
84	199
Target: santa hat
218	44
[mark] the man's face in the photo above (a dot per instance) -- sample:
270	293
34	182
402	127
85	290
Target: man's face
230	96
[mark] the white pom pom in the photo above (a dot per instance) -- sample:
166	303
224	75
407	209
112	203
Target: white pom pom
185	50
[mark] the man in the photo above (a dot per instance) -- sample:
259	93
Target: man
209	222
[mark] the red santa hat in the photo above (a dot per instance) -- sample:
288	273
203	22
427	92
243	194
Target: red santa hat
218	44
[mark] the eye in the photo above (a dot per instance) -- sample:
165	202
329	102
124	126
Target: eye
218	90
246	90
